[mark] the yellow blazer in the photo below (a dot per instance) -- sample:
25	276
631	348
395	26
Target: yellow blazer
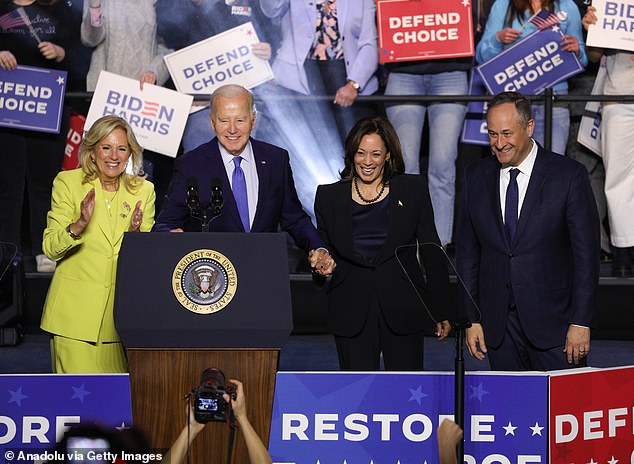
80	300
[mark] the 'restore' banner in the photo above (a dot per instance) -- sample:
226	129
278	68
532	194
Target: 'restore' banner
531	65
393	417
32	98
37	409
412	30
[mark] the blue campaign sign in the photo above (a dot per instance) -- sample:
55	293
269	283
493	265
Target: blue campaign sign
32	98
36	410
531	65
393	417
474	129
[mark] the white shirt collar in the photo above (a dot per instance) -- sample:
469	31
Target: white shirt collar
526	166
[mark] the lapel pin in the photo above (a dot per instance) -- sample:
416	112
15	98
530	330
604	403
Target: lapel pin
400	203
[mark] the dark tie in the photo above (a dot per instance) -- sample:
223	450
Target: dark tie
510	209
239	187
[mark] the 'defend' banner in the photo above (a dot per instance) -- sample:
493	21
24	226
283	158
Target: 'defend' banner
393	417
225	58
37	409
32	98
531	65
412	30
474	129
592	416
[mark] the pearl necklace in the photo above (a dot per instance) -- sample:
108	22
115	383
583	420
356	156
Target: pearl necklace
371	200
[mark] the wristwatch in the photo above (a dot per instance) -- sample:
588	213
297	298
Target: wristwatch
355	85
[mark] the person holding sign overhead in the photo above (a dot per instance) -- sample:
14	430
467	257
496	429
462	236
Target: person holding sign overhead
512	20
91	208
185	22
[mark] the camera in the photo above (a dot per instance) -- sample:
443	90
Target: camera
209	405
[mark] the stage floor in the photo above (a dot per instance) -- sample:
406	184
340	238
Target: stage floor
314	353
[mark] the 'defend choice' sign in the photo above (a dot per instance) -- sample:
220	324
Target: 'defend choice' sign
424	29
32	98
531	65
225	58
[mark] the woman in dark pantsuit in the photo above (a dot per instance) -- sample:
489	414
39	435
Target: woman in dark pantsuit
373	222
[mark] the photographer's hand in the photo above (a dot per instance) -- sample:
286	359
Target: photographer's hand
257	451
177	452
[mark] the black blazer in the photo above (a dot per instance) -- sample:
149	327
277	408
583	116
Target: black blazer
411	220
552	264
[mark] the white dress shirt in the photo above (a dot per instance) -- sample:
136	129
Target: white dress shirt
525	168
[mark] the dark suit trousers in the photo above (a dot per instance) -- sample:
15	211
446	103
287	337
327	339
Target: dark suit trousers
30	162
362	352
516	353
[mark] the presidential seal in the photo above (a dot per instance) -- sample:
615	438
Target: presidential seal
204	281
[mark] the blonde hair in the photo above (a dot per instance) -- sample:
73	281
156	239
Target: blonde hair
101	128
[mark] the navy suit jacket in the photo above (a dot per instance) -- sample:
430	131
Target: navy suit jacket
278	205
410	221
552	264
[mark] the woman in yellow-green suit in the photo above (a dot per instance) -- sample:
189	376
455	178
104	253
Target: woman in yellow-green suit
91	208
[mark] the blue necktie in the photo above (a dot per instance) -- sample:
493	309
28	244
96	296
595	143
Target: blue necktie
510	208
239	187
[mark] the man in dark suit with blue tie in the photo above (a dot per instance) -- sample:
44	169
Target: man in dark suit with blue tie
527	248
256	180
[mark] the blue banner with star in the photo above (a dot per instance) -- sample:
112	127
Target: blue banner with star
32	98
530	65
393	417
36	410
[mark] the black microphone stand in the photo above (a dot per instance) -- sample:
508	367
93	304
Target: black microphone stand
205	214
459	381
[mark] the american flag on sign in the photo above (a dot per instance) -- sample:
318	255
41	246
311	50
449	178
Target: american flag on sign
11	19
544	19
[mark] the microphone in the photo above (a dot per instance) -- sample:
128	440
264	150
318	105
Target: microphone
217	200
436	265
193	202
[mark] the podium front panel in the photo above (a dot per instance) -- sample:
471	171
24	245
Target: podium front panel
203	290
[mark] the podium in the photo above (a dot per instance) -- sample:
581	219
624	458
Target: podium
189	301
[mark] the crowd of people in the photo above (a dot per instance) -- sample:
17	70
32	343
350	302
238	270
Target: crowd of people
335	54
